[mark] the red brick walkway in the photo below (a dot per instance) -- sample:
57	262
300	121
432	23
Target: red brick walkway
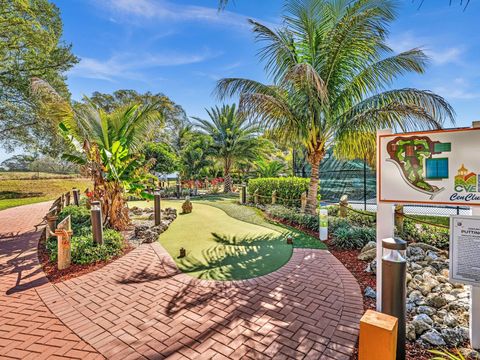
140	307
28	329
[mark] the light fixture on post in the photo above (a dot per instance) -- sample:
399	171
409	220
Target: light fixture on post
96	219
157	209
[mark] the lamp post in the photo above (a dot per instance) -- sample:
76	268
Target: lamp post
243	194
394	286
156	196
179	189
96	219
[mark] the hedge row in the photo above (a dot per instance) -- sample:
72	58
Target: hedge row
290	188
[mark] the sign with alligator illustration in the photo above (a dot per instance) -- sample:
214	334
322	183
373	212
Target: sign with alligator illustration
440	167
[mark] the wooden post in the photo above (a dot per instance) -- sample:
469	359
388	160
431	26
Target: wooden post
274	197
58	203
378	336
64	234
255	197
67	198
399	218
343	206
62	201
51	224
303	202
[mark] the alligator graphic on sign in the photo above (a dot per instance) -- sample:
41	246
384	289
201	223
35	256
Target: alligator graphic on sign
418	163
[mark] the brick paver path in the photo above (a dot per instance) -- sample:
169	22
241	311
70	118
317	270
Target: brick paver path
28	329
140	306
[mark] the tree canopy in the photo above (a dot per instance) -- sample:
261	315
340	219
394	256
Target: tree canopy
30	47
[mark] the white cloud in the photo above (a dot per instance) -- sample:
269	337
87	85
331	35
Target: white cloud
129	66
168	11
438	55
459	88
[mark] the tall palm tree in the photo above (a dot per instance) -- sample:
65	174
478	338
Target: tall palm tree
332	73
234	138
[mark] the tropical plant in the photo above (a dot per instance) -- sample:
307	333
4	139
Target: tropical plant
195	156
332	73
446	355
234	138
166	160
269	168
107	146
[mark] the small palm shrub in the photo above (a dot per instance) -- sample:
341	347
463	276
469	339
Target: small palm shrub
352	237
446	355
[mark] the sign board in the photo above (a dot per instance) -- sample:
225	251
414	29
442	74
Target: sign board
465	249
430	167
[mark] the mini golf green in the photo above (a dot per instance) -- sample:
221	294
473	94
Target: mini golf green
220	247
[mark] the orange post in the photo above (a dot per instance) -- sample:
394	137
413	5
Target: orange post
378	336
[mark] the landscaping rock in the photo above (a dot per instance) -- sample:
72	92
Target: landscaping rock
369	292
368	255
370	245
422	323
438	310
454	337
433	337
144	230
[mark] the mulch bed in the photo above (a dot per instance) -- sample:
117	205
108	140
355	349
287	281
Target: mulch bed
357	267
54	275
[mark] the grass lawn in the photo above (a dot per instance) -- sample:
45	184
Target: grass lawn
226	241
23	190
255	216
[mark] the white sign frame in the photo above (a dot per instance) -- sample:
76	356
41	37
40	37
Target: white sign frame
455	147
453	276
386	224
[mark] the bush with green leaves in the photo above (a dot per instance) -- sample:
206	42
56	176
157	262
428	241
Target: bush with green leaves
293	216
79	215
86	251
428	234
290	188
352	237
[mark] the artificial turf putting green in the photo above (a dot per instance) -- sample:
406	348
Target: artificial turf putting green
220	247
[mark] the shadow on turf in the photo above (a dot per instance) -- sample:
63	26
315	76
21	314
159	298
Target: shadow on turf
234	257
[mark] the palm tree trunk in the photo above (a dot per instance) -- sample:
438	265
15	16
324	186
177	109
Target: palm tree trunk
227	185
312	202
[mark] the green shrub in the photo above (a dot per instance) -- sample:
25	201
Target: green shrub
361	218
293	216
86	251
79	215
352	237
428	234
290	188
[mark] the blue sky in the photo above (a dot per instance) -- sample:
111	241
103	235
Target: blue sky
181	47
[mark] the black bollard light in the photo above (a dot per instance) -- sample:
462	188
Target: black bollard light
96	219
157	209
394	287
179	189
76	196
243	194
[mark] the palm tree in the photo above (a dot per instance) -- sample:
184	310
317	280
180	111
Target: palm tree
269	168
107	145
234	138
332	73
